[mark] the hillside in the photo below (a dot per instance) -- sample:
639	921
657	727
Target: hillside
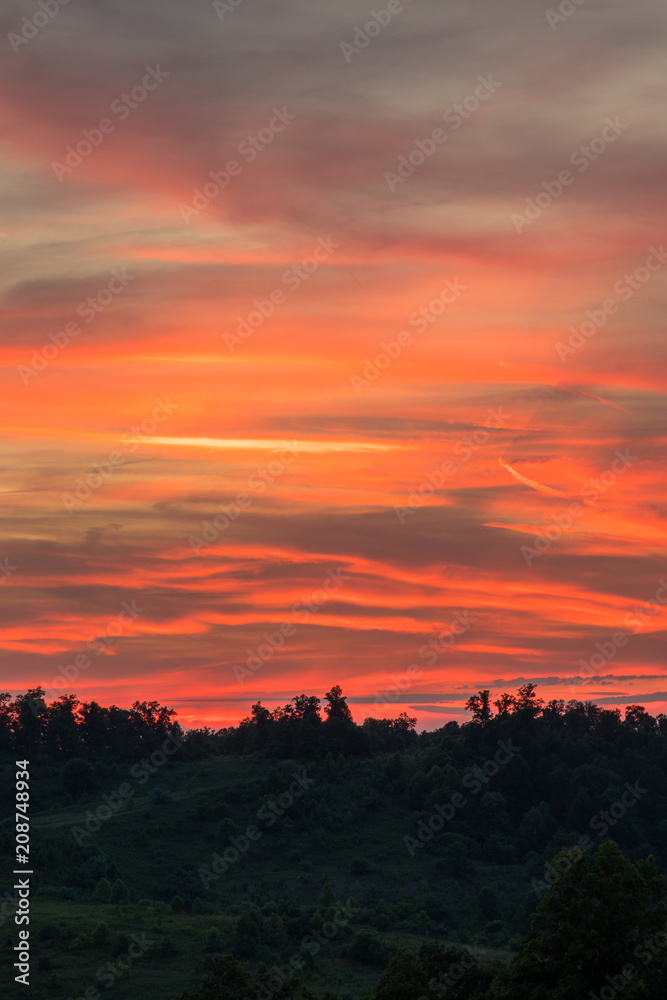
202	844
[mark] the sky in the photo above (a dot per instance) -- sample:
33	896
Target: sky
333	353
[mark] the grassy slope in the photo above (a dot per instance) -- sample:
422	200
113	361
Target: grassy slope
150	843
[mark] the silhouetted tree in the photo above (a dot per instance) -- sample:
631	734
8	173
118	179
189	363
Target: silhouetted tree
505	704
480	707
337	709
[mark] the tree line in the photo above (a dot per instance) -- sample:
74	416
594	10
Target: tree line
68	727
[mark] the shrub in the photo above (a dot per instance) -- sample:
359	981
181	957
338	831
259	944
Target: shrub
101	934
102	891
213	940
368	947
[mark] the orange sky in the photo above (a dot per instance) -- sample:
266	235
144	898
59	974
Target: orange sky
305	345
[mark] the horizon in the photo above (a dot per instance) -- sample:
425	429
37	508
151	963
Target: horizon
388	710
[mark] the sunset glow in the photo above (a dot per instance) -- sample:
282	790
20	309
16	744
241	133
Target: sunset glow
371	409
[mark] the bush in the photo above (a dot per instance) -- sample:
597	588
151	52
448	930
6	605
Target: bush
495	933
213	940
81	942
102	891
168	948
368	947
101	935
227	828
326	896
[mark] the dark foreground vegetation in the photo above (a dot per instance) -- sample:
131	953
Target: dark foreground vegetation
518	856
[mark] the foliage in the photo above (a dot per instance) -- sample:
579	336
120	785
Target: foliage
603	916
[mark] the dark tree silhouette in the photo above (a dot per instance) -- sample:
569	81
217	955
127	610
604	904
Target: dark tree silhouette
480	707
337	709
